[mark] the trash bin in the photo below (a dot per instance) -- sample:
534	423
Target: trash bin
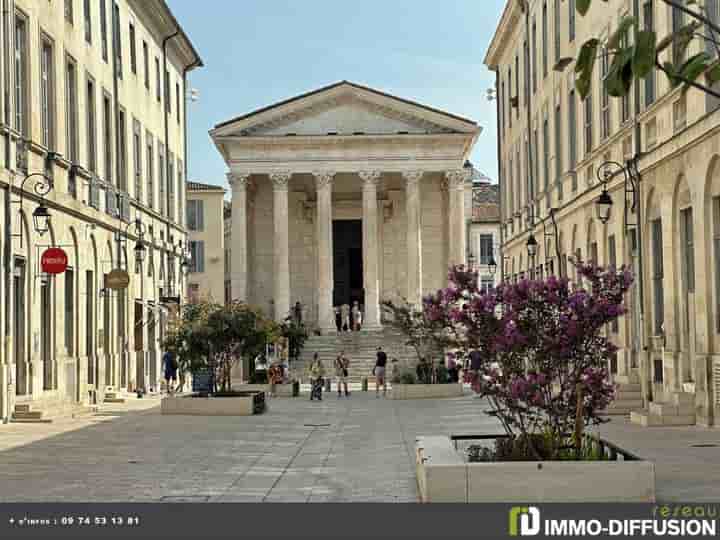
295	388
364	384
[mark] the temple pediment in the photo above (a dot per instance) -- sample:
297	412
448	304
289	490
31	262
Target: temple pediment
344	109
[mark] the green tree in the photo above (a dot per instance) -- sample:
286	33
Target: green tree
636	51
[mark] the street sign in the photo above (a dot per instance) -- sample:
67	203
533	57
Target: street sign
117	279
54	261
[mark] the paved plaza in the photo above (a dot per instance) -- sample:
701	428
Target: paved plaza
357	449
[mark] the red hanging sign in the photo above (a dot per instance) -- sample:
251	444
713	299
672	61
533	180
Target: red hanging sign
54	261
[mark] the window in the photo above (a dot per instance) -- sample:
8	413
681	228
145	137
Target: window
588	124
47	94
195	215
162	203
545	39
91	124
604	96
177	102
593	253
716	254
625	100
509	97
167	92
534	67
678	20
70	311
171	185
572	127
137	159
612	263
146	64
526	73
22	82
157	79
197	256
180	191
150	167
87	17
657	276
69	11
689	252
133	49
558	144
72	110
556	12
117	40
122	151
486	248
571	20
517	85
546	153
103	29
107	137
649	22
486	283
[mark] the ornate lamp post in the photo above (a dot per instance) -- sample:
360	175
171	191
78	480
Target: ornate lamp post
41	215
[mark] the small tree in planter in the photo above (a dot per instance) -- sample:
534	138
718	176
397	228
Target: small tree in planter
214	336
423	334
544	356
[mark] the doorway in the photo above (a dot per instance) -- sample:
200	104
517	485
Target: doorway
46	335
347	262
21	383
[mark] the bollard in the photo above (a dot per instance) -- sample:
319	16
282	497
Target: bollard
364	384
295	388
327	385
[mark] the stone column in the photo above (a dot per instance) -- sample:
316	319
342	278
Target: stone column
238	248
370	249
281	245
326	315
456	181
414	236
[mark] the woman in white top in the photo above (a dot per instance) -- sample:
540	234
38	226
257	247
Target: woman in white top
357	316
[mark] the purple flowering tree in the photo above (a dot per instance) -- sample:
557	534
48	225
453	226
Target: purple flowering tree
545	356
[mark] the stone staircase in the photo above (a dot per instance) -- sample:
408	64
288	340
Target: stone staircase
679	410
628	398
360	348
32	413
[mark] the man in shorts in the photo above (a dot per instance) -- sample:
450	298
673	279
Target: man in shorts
170	368
342	365
379	372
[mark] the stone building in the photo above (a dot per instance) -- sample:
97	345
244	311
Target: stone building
345	194
554	150
93	98
205	224
484	231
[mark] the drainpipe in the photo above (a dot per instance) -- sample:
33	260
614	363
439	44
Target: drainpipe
501	251
168	180
528	104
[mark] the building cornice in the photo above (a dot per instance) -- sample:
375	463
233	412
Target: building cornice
510	18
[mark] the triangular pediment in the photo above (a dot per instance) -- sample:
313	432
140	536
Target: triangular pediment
344	109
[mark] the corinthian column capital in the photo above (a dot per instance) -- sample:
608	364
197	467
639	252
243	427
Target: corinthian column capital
280	180
457	178
412	178
238	180
323	179
370	179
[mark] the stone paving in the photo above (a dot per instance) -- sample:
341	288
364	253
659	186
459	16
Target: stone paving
356	449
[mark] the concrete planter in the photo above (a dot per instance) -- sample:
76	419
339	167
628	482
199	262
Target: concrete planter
444	476
425	391
281	390
235	405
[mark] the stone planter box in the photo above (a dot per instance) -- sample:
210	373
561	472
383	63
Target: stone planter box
444	476
425	391
282	390
234	405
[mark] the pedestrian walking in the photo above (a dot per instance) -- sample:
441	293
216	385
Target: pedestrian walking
424	371
356	316
317	375
453	368
345	312
342	366
379	372
170	368
275	377
297	313
338	318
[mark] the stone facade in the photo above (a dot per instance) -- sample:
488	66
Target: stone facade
206	242
344	152
84	107
666	233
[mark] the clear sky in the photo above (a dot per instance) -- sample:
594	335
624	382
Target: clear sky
257	52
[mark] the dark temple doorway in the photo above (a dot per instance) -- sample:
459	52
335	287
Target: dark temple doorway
347	262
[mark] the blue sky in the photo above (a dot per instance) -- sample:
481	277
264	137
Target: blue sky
257	52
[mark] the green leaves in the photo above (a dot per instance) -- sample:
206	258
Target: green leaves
582	6
584	66
620	34
644	56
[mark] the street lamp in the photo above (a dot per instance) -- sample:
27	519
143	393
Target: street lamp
603	205
41	216
492	265
532	246
140	251
41	219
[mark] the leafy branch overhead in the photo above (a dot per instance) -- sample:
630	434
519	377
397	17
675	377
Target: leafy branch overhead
634	52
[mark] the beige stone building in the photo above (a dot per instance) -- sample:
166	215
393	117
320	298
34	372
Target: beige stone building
93	98
344	194
552	146
484	241
205	224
